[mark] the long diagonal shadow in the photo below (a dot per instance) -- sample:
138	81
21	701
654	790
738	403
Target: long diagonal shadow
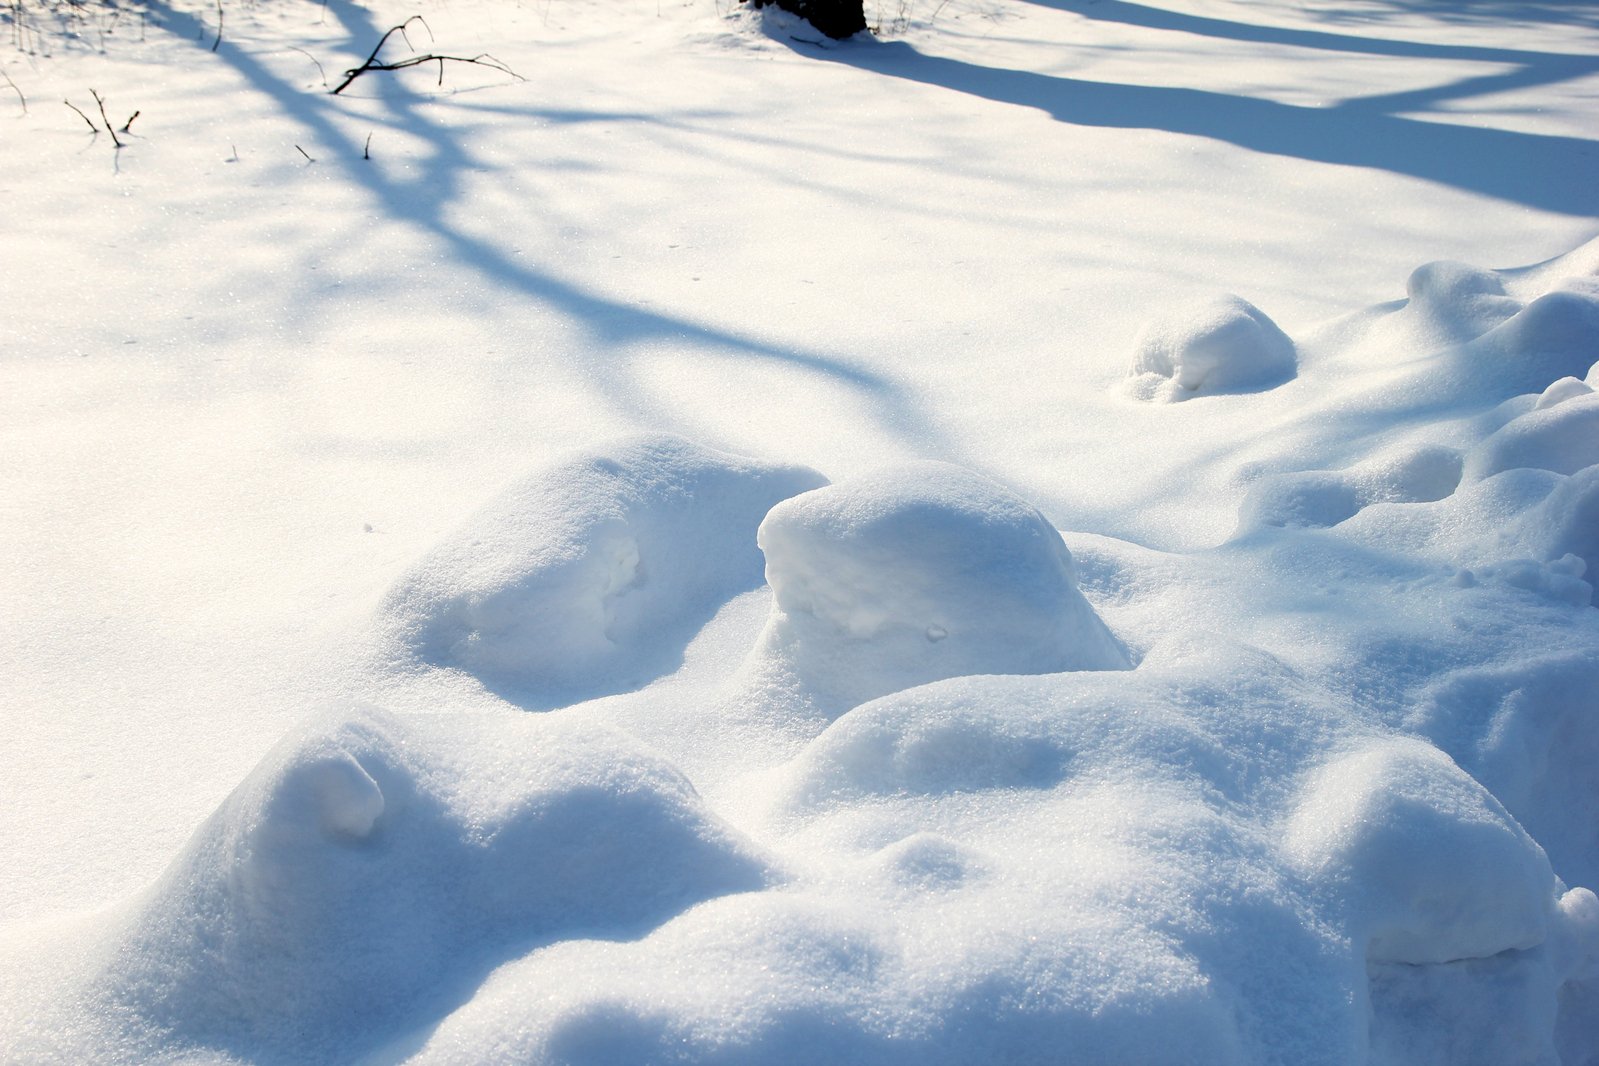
1552	173
1524	68
423	201
1145	16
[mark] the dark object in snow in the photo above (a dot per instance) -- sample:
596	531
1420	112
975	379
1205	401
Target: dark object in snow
836	18
373	63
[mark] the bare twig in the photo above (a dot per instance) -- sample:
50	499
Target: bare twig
482	60
128	123
16	90
373	63
366	152
218	42
303	152
97	99
351	75
313	59
92	127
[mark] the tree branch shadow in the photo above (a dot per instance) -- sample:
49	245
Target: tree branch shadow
1547	172
423	199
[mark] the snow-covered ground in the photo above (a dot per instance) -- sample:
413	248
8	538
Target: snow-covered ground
564	567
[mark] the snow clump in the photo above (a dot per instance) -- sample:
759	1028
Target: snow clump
1225	345
1315	499
1457	301
916	573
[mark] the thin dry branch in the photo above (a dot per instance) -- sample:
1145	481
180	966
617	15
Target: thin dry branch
98	100
373	63
322	73
24	99
92	127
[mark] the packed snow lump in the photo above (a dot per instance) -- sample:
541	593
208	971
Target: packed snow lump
1222	345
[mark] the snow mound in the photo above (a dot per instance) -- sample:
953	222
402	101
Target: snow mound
590	577
1554	337
1567	522
1561	325
1225	345
1458	300
1565	389
930	862
929	741
772	978
1320	498
1430	866
360	874
915	573
1527	730
1560	435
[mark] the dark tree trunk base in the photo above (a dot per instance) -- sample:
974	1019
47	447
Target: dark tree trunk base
835	18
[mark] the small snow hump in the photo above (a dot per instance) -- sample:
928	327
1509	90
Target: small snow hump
1562	327
589	577
1429	865
1223	345
1562	436
1447	281
916	573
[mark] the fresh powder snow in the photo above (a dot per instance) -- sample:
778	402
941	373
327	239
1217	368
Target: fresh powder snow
1051	531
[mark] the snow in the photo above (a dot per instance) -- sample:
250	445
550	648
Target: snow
1225	344
583	579
911	574
671	559
1431	866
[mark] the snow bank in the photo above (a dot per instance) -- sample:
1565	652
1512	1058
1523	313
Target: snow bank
1010	936
370	873
1088	861
589	577
914	573
910	802
959	825
1224	345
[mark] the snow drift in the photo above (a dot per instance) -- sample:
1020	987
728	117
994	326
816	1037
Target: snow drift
365	879
1250	730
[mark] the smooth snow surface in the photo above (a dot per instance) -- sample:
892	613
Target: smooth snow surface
673	560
